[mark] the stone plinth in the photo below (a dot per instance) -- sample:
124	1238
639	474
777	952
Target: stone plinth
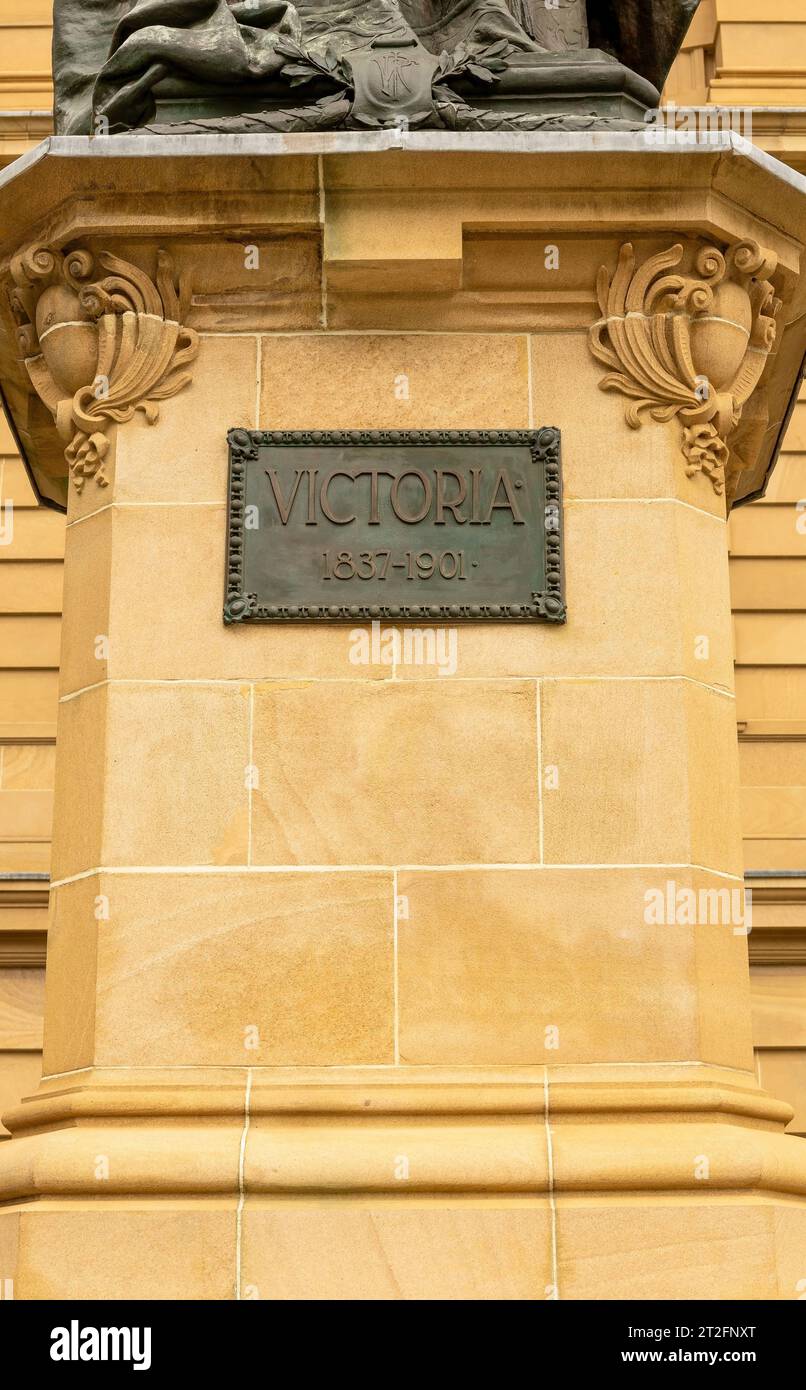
353	991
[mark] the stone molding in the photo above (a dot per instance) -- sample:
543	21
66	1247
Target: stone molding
382	250
465	1131
100	340
689	345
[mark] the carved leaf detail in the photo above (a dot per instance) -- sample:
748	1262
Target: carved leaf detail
141	344
650	337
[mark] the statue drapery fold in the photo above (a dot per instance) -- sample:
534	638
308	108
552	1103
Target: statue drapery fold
219	43
109	56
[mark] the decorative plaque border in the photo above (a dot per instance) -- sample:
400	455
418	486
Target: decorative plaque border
546	605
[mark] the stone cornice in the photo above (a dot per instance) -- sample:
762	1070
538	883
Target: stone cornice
23	947
21	130
22	950
615	186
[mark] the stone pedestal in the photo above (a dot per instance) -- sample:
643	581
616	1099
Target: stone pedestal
367	981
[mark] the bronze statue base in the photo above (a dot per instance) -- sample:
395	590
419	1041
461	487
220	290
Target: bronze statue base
534	91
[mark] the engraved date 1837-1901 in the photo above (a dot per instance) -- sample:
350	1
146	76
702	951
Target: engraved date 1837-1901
375	564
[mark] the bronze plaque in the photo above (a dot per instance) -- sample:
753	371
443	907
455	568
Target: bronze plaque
352	525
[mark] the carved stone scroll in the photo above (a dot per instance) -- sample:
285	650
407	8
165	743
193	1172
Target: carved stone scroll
688	345
100	340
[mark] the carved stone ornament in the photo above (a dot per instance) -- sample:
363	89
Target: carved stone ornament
689	345
99	340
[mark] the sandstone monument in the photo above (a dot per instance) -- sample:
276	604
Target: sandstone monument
348	337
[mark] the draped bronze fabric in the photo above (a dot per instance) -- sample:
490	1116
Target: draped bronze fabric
644	34
109	55
82	37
